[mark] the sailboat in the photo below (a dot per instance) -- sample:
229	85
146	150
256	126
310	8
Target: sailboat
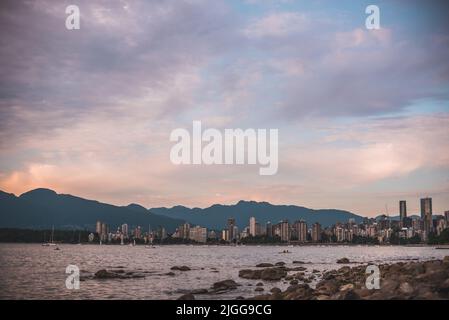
51	243
79	238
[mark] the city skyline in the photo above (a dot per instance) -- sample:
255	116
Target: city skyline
414	230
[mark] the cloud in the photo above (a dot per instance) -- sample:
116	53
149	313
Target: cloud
89	112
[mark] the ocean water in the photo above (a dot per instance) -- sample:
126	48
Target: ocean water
31	271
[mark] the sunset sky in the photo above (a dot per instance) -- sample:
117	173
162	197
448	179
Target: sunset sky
363	115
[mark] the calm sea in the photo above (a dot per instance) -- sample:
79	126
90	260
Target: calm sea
31	271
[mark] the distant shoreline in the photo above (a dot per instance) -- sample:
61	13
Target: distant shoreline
441	246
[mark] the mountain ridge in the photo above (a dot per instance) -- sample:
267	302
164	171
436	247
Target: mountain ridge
43	207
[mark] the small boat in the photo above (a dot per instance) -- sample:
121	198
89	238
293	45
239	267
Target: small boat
442	248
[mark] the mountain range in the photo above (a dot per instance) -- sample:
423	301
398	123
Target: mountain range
216	216
43	208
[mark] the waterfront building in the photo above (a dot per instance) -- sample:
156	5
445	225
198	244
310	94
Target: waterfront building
316	232
212	235
125	230
198	234
252	226
231	224
285	231
426	214
98	228
137	232
184	231
441	224
225	235
299	230
402	210
269	229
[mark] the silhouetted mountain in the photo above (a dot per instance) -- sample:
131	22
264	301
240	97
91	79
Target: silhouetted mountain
216	216
42	208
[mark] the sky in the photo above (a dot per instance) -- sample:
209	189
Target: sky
362	115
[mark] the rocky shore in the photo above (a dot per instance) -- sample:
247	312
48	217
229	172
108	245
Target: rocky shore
428	280
400	281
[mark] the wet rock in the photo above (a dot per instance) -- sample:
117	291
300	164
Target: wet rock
105	274
225	285
293	282
275	290
180	268
249	274
298	262
263	274
265	265
259	284
280	263
298	269
273	274
171	274
343	260
187	296
258	289
199	291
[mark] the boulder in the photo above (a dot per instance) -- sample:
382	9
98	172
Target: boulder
265	265
273	274
343	260
187	296
225	285
180	268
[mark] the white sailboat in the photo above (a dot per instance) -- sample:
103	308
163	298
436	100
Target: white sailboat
51	243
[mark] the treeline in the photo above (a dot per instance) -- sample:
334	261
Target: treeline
443	238
260	239
41	236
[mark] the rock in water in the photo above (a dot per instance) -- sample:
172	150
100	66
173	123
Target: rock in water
225	285
187	296
264	265
343	260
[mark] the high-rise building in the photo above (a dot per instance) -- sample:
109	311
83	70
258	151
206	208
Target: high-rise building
184	231
426	214
137	233
316	232
225	235
285	230
402	210
252	226
198	234
235	233
125	230
269	229
300	230
231	224
98	227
